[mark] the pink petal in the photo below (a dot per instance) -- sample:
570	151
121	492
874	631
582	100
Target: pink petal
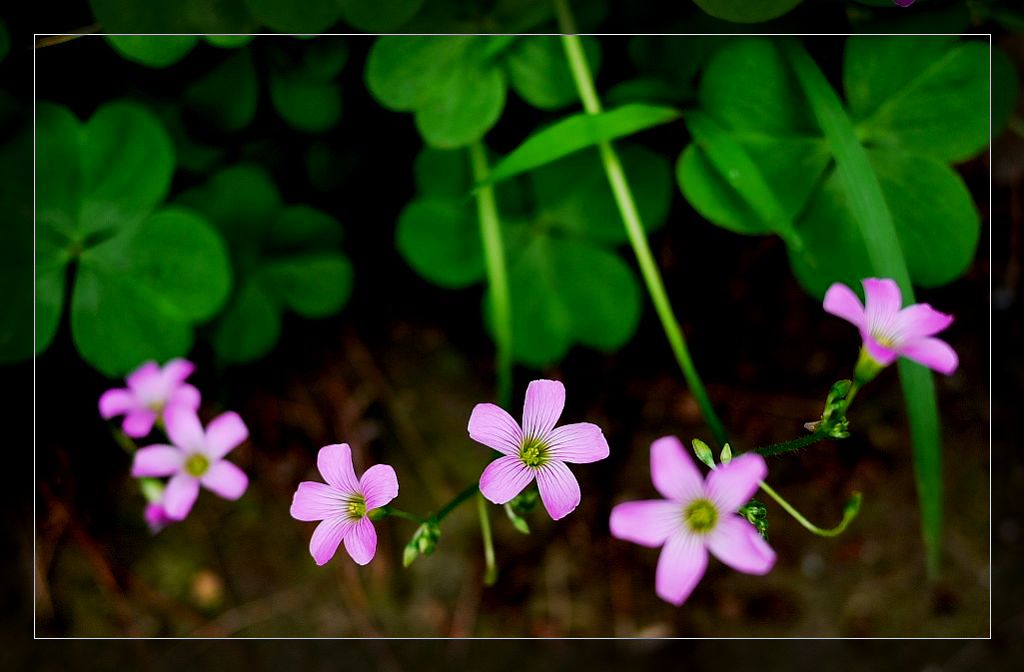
647	522
882	300
493	427
225	479
317	501
505	478
179	495
138	424
223	434
933	353
335	465
184	428
841	301
379	485
145	380
559	489
326	537
544	402
673	472
361	541
921	320
881	354
186	396
176	371
117	402
155	461
731	485
680	567
156	517
735	542
578	443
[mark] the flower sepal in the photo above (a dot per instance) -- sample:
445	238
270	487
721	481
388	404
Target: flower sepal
757	515
833	422
424	542
517	520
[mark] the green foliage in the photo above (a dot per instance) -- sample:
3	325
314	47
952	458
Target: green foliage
286	257
288	16
558	225
227	95
759	163
579	131
302	86
456	85
745	11
378	16
143	277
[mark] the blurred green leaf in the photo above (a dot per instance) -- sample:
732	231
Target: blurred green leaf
378	16
539	73
141	280
577	132
924	94
555	248
137	294
173	16
303	88
758	158
932	213
285	258
745	11
227	95
154	51
288	16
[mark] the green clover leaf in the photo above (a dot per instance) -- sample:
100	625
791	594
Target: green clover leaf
143	277
456	85
759	164
286	257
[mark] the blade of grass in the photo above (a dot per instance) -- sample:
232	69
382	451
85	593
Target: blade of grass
876	227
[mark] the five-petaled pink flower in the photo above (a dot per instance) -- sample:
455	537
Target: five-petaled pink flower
151	391
343	504
196	457
537	449
889	332
696	516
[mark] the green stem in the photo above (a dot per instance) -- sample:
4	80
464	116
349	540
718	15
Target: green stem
384	511
459	499
849	513
491	573
875	223
497	276
789	446
634	228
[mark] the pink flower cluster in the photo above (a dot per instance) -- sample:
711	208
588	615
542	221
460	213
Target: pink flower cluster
193	456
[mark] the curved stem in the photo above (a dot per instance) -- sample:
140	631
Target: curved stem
788	446
634	227
491	572
849	513
456	501
497	276
397	513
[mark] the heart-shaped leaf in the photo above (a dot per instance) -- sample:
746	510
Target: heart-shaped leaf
227	95
303	86
142	280
285	258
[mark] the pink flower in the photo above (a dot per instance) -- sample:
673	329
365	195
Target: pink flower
156	517
196	457
151	391
889	332
343	504
696	516
904	3
537	450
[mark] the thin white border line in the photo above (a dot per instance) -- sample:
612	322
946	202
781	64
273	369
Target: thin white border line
35	579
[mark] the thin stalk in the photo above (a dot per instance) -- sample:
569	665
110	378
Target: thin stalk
456	501
634	227
396	513
849	513
497	275
491	573
789	446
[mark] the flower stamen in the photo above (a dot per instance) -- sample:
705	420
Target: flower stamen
701	515
533	452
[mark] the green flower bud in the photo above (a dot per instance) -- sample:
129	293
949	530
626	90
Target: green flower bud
703	453
726	456
518	521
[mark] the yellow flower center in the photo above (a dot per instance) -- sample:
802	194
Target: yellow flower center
533	452
701	516
356	506
197	464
